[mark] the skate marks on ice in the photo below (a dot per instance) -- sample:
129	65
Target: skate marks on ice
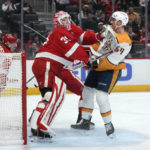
79	138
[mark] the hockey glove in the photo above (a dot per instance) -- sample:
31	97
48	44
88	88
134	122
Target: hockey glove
102	34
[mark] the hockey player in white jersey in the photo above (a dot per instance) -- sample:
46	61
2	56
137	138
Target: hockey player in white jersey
100	81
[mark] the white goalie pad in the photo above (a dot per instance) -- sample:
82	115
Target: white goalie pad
54	104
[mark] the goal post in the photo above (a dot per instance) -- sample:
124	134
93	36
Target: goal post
13	114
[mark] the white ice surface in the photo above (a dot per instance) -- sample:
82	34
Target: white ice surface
130	116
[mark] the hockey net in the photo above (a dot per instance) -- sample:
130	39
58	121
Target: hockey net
13	128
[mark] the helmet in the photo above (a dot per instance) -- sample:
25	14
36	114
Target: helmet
9	38
57	20
120	15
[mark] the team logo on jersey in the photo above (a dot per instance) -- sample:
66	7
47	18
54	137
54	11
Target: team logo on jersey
65	39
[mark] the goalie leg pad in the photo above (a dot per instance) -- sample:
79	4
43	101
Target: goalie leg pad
54	104
46	111
39	109
36	131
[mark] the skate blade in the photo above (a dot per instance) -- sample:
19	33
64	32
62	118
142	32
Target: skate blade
78	127
92	126
40	140
112	136
81	128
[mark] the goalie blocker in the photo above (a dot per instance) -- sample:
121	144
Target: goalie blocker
46	110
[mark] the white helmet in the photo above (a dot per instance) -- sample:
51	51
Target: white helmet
57	20
120	15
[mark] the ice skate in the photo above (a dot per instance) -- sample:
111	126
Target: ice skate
109	129
84	125
80	118
40	133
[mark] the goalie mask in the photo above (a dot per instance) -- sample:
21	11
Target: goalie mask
62	19
120	16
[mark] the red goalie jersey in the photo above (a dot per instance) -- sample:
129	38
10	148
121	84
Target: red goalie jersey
63	45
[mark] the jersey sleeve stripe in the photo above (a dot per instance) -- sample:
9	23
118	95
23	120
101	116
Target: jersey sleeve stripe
81	38
72	50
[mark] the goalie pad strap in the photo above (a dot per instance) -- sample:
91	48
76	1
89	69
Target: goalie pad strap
39	109
41	105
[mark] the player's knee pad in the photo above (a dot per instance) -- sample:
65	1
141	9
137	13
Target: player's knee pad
88	95
80	102
102	101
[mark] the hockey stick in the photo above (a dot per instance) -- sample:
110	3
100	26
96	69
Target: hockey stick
30	79
36	86
34	31
40	36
